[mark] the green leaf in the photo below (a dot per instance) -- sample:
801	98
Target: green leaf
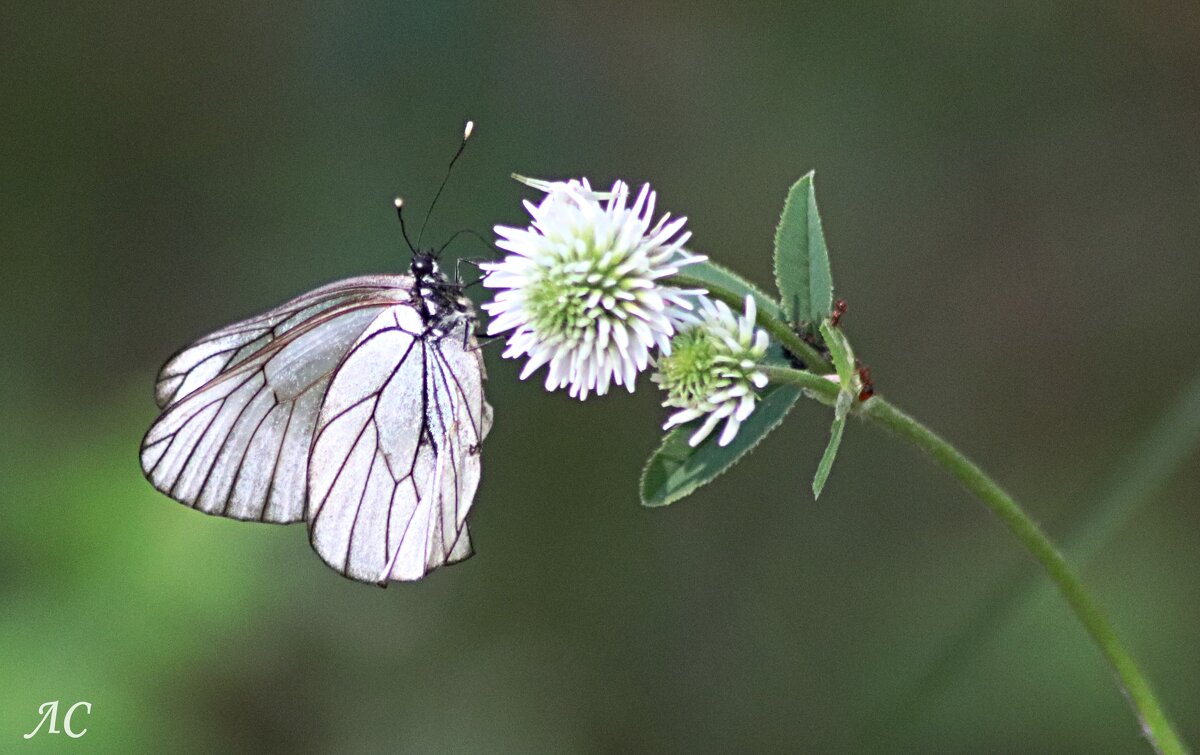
801	258
841	354
676	469
841	411
845	400
826	465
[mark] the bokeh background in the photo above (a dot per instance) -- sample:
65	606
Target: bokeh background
1010	193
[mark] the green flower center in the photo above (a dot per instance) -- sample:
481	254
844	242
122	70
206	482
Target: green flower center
575	291
691	373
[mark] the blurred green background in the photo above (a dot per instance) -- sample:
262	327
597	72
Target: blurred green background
1010	193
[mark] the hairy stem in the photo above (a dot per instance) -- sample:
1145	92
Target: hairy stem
818	387
1155	724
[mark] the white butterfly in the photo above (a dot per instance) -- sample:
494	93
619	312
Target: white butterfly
357	407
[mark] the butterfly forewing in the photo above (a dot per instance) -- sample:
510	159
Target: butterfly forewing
199	362
241	404
395	461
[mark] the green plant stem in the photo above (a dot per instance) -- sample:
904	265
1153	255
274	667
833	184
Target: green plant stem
820	388
813	360
1133	483
1155	724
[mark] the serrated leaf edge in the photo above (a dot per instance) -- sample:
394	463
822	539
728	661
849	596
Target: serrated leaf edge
791	317
685	492
825	466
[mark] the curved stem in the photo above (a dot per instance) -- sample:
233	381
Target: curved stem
1155	724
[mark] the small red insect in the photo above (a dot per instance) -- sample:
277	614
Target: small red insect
839	309
864	377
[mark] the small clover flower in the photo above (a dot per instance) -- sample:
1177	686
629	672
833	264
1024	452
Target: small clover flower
580	286
713	370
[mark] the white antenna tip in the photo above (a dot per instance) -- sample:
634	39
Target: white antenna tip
399	202
467	131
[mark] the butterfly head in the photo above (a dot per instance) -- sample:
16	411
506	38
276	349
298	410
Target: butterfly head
424	262
424	265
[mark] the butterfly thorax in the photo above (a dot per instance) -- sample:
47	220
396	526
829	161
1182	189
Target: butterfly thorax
439	300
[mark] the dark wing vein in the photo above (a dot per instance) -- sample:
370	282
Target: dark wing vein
287	427
246	333
451	444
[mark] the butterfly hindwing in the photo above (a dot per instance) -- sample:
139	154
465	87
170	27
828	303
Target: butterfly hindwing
395	462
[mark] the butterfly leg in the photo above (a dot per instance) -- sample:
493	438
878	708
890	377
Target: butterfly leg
485	342
481	339
473	262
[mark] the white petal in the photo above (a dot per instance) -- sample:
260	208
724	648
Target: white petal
704	430
731	427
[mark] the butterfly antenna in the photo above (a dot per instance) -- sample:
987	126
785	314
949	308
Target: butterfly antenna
467	232
466	135
403	230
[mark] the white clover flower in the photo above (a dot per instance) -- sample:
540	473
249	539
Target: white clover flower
714	369
580	286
